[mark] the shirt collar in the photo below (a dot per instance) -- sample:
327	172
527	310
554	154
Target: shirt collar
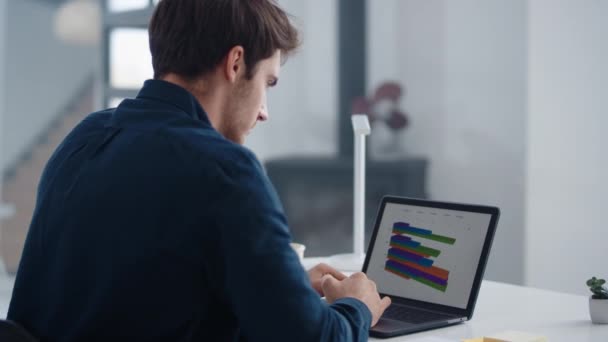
170	93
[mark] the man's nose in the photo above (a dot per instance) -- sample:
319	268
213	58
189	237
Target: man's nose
263	116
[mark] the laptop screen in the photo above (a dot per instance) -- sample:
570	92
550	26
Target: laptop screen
428	254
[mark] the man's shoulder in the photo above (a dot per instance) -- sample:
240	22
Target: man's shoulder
99	118
92	122
207	145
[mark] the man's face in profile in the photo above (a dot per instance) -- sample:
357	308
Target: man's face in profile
248	104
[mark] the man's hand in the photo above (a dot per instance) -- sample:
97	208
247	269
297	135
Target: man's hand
356	286
316	275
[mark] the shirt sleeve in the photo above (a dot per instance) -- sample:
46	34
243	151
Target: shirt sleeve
267	288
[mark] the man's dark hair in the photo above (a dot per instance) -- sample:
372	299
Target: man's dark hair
191	37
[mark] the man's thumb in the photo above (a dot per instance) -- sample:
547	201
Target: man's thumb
330	285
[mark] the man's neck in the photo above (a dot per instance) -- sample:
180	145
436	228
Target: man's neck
208	96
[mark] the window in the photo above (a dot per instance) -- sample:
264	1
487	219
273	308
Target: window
130	60
127	5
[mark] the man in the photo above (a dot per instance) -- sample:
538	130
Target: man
154	223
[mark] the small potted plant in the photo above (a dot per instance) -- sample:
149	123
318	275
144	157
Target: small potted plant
598	302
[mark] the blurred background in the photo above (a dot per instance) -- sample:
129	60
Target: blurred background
498	102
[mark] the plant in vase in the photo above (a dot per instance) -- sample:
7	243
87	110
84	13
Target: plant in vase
598	302
386	118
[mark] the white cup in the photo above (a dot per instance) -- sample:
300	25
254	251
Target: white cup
299	249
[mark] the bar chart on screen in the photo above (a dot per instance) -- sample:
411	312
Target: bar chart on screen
428	254
410	259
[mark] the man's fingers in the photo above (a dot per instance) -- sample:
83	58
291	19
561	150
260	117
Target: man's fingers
335	273
330	287
358	275
328	280
385	302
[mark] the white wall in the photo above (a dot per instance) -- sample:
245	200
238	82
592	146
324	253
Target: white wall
303	108
2	78
42	74
2	90
567	163
464	66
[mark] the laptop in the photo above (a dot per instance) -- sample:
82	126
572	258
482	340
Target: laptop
429	258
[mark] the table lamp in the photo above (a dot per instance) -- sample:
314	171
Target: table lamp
354	261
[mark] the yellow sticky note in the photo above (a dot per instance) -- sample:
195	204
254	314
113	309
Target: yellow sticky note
519	336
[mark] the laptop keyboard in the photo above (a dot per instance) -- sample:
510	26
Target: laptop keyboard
413	315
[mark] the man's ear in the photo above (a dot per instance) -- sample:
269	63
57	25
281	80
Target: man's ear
234	64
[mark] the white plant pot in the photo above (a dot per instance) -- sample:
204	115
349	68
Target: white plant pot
598	310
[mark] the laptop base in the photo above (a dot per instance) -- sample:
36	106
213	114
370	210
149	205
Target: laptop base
390	328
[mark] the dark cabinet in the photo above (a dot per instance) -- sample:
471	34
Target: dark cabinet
317	195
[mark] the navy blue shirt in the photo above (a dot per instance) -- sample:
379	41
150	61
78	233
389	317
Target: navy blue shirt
150	225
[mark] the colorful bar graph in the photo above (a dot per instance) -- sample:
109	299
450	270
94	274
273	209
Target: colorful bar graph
408	269
416	247
404	228
409	259
405	275
410	250
404	241
407	256
433	271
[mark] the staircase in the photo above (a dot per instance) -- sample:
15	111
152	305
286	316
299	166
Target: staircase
20	182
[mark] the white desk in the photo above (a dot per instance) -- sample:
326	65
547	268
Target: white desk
501	307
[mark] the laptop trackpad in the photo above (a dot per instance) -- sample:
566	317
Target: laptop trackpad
389	325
